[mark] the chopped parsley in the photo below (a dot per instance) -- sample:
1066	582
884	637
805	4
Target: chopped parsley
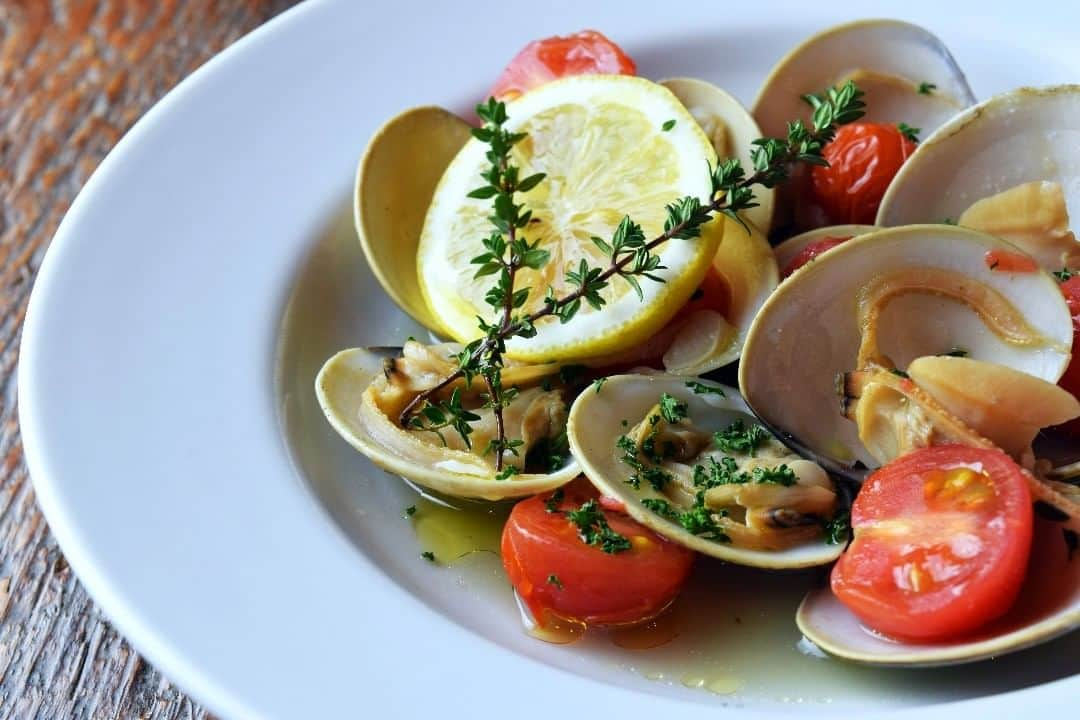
598	383
698	520
549	453
655	476
703	389
553	579
740	439
594	530
552	503
927	88
1065	274
713	474
409	511
838	530
671	409
956	352
899	373
911	133
781	475
428	555
994	265
668	125
948	221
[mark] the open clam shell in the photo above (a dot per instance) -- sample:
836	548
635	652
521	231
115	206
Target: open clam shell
596	422
731	129
888	59
1027	137
1048	606
394	183
810	330
344	386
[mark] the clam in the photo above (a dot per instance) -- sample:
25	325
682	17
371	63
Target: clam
1048	606
891	61
394	184
788	250
730	128
878	302
647	441
1007	166
744	265
363	394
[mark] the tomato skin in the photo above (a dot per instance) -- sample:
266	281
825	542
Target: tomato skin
812	251
934	558
863	159
598	588
1071	379
584	53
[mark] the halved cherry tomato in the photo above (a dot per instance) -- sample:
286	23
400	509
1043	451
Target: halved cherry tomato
942	537
863	158
541	61
555	572
812	251
1071	379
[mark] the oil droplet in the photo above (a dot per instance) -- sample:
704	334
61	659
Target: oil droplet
654	633
454	531
723	685
693	680
557	630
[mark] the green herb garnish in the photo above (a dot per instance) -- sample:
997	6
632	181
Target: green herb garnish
899	373
553	579
957	352
927	88
668	125
594	529
672	409
741	439
428	555
409	511
911	133
552	503
1065	274
599	383
838	530
703	389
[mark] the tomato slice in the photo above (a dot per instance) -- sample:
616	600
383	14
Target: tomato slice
863	159
1071	379
812	251
584	53
556	573
942	538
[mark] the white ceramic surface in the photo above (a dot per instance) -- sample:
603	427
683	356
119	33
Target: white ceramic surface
209	267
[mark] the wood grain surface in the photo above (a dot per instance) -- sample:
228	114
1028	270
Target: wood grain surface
74	76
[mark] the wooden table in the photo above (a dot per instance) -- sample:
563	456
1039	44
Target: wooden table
74	76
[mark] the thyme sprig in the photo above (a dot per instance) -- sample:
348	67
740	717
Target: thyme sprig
630	254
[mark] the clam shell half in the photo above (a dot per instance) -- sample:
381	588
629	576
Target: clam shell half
596	422
809	330
342	388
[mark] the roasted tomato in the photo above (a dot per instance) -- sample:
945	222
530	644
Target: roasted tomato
1071	379
812	251
942	537
863	158
541	61
556	573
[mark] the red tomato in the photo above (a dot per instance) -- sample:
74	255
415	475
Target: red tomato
589	585
863	158
942	537
1071	379
1011	262
541	61
811	252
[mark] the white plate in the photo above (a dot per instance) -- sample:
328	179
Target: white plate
209	266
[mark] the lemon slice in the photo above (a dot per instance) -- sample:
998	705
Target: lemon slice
601	141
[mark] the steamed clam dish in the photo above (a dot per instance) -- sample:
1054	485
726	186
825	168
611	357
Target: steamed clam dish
601	257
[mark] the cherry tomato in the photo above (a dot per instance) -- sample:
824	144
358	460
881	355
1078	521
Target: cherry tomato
863	158
942	538
541	61
555	572
1071	379
812	251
